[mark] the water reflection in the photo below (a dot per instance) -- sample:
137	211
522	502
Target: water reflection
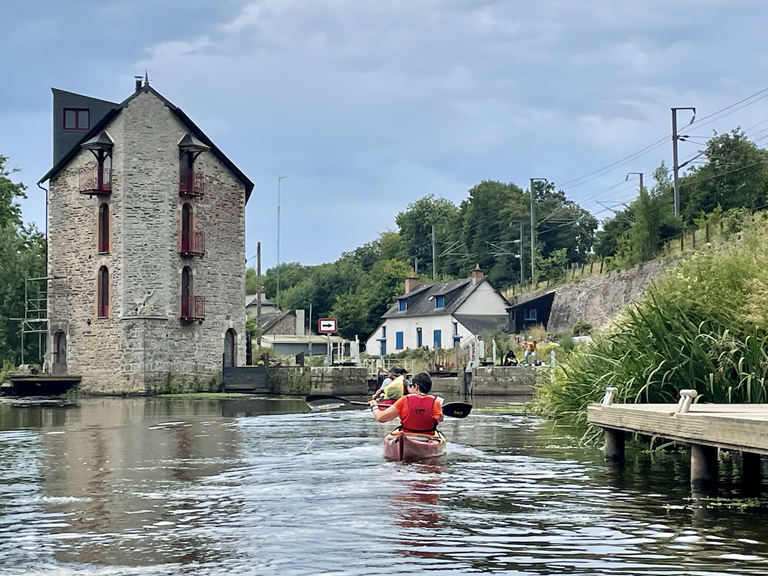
262	486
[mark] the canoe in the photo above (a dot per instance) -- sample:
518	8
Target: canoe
409	446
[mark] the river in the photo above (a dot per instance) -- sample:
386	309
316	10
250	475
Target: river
150	486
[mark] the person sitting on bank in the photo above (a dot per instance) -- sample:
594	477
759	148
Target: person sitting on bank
418	410
510	359
392	387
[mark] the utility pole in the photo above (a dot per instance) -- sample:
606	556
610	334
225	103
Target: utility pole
521	252
640	174
258	292
533	233
675	165
277	297
434	266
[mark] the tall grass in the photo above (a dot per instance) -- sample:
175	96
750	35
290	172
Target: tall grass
703	326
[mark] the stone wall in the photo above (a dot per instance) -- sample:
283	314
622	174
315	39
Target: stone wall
490	380
333	380
599	298
142	346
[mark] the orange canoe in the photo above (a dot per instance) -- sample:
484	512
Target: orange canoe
411	446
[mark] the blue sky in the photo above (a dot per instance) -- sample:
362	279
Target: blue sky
368	105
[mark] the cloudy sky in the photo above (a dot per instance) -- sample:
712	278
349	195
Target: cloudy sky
368	105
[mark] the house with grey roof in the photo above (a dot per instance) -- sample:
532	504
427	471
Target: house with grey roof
439	315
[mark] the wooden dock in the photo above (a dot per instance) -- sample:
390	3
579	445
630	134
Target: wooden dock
706	427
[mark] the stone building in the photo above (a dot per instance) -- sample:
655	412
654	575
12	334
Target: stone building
146	247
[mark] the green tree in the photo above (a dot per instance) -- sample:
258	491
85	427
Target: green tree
251	285
416	223
22	255
735	175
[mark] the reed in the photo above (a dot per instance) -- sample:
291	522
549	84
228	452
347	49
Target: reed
703	326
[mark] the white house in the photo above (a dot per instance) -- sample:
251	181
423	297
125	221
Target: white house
439	315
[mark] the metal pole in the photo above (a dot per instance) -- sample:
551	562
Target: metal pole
434	268
310	329
521	252
277	297
676	192
533	240
533	233
258	292
675	164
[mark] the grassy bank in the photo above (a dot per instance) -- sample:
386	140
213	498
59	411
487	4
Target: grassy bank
702	326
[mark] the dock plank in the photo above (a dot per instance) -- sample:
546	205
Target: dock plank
741	427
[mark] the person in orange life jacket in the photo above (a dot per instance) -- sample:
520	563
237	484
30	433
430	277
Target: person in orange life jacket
418	410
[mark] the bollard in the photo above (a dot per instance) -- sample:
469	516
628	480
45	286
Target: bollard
608	398
686	396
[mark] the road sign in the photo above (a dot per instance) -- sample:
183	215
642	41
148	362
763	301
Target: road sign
326	326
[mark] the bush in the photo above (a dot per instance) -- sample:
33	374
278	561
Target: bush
581	328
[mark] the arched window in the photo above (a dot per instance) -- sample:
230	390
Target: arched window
104	228
103	296
186	291
230	350
186	229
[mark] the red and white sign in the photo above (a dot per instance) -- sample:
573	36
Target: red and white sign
326	326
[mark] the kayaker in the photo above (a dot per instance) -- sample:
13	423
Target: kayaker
393	387
418	410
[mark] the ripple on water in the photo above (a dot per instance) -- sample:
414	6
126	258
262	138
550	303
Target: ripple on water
309	493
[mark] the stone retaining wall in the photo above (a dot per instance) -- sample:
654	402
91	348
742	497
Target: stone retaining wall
490	380
334	380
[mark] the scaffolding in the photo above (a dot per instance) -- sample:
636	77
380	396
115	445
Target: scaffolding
35	320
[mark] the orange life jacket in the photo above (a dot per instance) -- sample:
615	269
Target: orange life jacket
419	417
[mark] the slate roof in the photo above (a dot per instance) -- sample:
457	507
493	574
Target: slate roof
191	126
480	324
421	300
270	320
250	301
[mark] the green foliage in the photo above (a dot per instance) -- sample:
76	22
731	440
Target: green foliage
581	328
735	175
705	326
22	255
416	223
251	284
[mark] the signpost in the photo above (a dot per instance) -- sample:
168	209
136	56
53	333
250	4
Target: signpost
327	326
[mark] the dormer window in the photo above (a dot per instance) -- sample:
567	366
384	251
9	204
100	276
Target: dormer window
402	304
439	301
77	119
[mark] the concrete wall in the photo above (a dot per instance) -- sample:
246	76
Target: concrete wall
142	345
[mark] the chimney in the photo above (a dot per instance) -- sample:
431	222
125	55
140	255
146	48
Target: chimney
138	82
477	275
411	282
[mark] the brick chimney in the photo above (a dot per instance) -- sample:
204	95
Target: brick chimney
411	282
477	275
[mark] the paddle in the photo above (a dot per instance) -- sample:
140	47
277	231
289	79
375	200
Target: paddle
323	402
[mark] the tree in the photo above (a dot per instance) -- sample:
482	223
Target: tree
251	285
22	255
416	223
735	175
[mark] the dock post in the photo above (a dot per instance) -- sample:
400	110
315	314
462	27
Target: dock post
750	470
614	445
703	465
